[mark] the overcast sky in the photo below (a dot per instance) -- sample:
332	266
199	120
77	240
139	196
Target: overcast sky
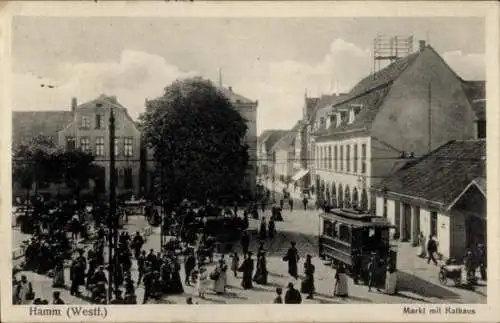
272	60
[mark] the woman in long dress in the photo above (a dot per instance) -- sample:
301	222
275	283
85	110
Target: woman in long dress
235	263
58	280
260	276
175	280
307	286
421	246
341	288
202	282
218	278
391	280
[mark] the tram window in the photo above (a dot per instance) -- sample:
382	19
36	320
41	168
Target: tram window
327	228
344	234
336	229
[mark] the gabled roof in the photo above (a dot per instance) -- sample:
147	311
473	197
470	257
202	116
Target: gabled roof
479	183
443	174
270	137
27	124
326	101
286	140
476	93
370	92
234	97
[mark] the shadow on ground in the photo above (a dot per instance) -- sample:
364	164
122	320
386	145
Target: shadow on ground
408	282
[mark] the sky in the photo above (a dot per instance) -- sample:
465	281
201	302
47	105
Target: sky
273	60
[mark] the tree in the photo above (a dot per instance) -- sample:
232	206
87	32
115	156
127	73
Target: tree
197	139
78	169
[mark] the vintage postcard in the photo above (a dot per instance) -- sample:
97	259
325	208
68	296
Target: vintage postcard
249	161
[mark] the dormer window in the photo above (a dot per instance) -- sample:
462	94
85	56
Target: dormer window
351	116
322	123
343	116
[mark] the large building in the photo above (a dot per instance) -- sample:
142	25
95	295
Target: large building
401	112
86	127
248	110
442	194
89	131
283	156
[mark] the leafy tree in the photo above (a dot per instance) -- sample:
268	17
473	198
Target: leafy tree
78	169
197	139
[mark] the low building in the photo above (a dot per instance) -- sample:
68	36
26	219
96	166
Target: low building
264	144
405	110
442	194
283	156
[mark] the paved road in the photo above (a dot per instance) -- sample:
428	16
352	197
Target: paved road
418	281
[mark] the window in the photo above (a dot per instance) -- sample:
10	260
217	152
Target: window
434	224
127	147
99	146
355	165
363	158
385	208
325	158
332	120
344	233
327	228
127	174
348	158
322	123
85	122
330	157
85	144
70	143
98	121
117	146
335	156
320	157
341	158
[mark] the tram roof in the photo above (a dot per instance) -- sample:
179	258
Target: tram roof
356	218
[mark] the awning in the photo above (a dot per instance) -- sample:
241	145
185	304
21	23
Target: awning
301	173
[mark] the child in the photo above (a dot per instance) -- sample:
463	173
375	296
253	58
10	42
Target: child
278	299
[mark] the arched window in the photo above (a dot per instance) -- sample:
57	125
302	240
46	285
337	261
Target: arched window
355	198
364	199
340	197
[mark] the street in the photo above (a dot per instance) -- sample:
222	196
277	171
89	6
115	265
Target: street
418	281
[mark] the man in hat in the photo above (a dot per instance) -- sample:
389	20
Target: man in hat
292	295
292	256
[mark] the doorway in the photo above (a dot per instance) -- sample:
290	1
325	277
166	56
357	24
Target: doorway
475	231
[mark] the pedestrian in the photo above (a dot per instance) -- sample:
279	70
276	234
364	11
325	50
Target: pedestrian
282	203
24	291
290	203
235	263
58	279
292	257
245	242
431	250
202	282
307	286
391	279
175	277
481	260
271	228
263	229
278	299
305	201
356	266
260	276
263	203
247	268
292	296
141	266
218	279
421	245
341	288
373	273
148	283
137	243
189	265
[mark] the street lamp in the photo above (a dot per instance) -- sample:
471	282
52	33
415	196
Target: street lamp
112	218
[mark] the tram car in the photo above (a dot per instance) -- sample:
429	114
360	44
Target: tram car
353	237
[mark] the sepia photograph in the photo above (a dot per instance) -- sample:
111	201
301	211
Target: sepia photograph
231	160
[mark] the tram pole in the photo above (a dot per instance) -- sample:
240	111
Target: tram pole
112	218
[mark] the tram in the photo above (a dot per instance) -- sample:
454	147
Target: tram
347	236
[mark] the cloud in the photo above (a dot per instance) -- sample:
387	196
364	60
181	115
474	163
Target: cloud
135	77
468	66
279	86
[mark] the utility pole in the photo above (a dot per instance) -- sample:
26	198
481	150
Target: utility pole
430	119
112	218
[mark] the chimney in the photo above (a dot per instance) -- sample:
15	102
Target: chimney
230	88
421	45
74	104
